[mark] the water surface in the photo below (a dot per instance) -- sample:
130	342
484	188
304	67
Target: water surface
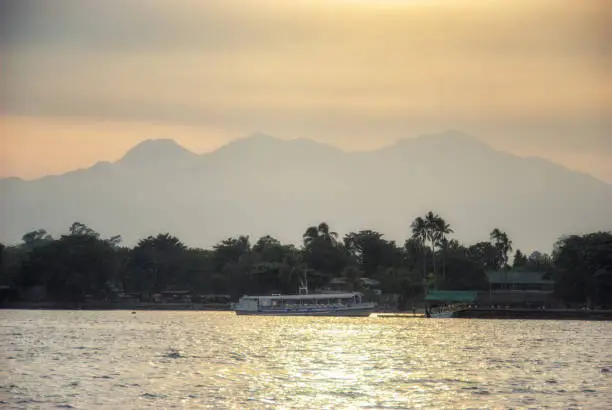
120	360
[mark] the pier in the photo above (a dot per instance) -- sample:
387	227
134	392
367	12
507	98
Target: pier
541	314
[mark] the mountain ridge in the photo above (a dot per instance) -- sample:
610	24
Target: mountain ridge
405	142
254	183
164	149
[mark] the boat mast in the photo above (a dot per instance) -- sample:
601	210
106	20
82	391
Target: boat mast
303	288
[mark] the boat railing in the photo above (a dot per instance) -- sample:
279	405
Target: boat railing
283	306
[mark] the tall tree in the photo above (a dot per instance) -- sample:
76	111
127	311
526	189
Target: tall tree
432	223
503	246
156	262
443	229
520	260
80	229
584	269
352	278
323	255
230	250
70	268
371	251
419	234
320	232
36	238
485	254
463	273
266	243
2	274
293	270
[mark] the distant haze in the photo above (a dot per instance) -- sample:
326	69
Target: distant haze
83	81
263	185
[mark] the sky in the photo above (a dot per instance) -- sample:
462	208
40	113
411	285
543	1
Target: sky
83	81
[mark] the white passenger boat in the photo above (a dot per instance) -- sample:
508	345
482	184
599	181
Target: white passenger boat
316	304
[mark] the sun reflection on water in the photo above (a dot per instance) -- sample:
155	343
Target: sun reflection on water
219	360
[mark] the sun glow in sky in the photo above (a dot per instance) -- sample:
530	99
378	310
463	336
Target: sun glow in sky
84	81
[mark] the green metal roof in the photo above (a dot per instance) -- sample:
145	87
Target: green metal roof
451	295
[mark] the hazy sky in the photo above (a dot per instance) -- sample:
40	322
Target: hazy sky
84	80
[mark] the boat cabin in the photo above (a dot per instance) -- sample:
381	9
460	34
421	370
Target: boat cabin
298	301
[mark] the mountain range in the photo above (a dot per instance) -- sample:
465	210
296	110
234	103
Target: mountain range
264	185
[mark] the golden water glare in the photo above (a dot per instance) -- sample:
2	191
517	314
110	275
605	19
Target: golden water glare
118	360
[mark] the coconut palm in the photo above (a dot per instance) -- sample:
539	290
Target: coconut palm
327	235
322	232
311	234
419	234
453	244
433	234
503	245
293	271
442	230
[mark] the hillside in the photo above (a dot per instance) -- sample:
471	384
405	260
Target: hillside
264	185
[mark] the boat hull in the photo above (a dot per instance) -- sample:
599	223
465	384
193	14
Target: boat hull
356	312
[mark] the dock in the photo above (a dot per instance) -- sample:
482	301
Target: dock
512	313
540	314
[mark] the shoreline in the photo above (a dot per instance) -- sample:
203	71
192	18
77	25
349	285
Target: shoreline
110	306
536	314
508	314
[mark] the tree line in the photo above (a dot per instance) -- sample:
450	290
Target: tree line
80	263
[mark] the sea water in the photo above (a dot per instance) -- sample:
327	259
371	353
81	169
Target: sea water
160	359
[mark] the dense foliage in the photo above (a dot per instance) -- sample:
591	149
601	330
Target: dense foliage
584	269
82	264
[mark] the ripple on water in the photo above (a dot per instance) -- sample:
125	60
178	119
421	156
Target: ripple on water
153	396
91	359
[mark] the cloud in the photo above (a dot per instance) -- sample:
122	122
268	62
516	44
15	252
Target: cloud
343	71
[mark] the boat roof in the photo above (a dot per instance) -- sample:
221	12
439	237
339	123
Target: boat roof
308	296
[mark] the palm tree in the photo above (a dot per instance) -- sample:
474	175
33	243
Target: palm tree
320	232
292	271
419	233
453	244
311	234
327	235
443	229
497	238
2	247
503	245
433	234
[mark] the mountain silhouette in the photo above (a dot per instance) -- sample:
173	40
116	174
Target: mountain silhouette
264	185
155	151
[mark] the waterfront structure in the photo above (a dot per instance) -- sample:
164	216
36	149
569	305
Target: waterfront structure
518	288
316	304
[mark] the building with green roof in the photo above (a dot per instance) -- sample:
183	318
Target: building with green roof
514	288
519	288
